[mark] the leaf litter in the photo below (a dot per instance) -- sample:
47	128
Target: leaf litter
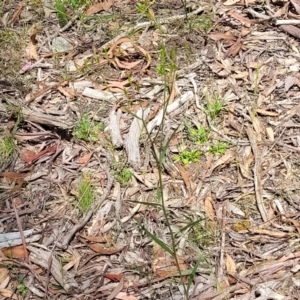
224	225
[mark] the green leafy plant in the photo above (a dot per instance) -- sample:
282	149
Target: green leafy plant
7	146
86	193
214	106
65	7
87	129
218	148
61	12
121	173
200	135
188	156
22	290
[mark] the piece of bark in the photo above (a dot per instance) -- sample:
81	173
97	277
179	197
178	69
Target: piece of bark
11	239
176	104
114	127
42	257
132	140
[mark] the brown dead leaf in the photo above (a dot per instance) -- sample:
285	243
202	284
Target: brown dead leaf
277	234
17	13
31	49
185	176
270	134
216	36
113	277
245	21
125	296
166	267
234	49
103	250
292	30
208	207
127	65
65	92
230	264
106	5
267	112
8	294
117	289
14	252
85	159
30	156
96	239
4	277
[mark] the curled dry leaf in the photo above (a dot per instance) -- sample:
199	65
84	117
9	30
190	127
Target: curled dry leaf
103	250
165	266
208	207
30	156
230	264
106	5
31	49
85	159
234	49
127	51
216	36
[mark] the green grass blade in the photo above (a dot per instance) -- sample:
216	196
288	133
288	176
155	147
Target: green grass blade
158	241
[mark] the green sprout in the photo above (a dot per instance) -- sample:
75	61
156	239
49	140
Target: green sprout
86	193
214	106
218	148
7	147
199	135
122	174
87	129
187	156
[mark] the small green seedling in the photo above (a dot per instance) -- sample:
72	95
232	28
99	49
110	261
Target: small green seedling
87	129
61	12
187	156
22	289
218	148
86	193
214	107
7	147
199	135
122	174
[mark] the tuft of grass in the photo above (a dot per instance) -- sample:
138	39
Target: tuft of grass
188	156
218	148
87	129
214	106
65	8
61	12
86	193
121	173
7	147
200	135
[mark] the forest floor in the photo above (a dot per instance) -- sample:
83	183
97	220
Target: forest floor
149	149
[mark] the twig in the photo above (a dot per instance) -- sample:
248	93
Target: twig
150	24
21	233
257	175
